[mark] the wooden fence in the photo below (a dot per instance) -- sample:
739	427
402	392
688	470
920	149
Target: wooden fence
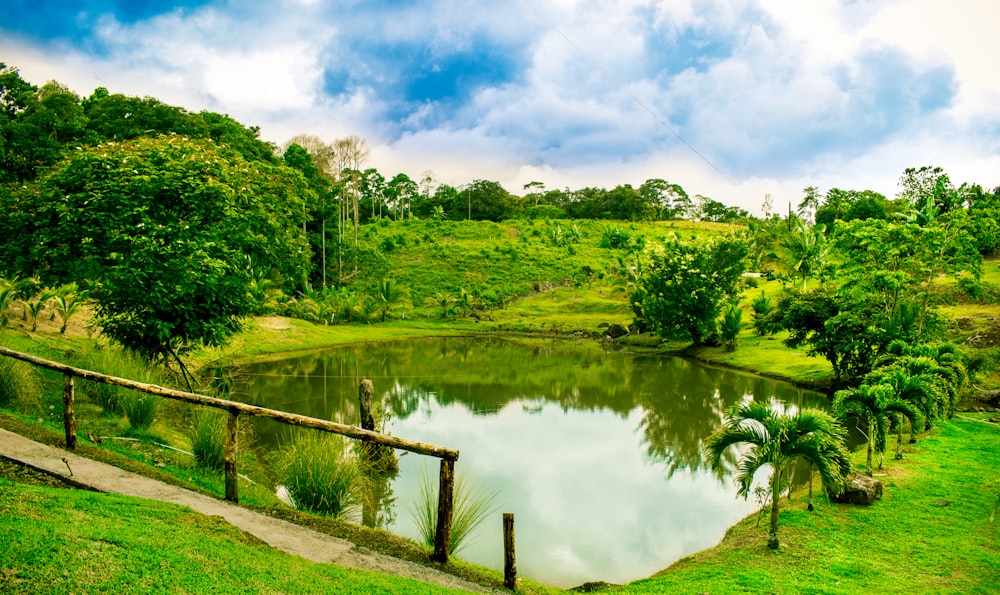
448	456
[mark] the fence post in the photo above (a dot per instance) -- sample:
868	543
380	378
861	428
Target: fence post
232	425
69	415
446	488
509	559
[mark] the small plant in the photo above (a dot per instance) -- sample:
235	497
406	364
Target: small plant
729	330
319	474
763	307
207	434
471	507
140	408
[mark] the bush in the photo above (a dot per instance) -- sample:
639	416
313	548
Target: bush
763	322
319	473
140	408
206	430
19	381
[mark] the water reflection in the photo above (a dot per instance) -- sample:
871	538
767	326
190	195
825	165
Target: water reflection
598	454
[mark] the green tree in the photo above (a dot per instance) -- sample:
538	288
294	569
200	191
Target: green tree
162	230
780	440
873	406
683	286
390	297
804	250
832	329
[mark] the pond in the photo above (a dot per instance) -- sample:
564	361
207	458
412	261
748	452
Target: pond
598	453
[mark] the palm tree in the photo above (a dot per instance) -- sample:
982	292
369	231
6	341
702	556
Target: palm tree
390	297
36	306
805	249
921	391
68	302
441	300
874	406
780	440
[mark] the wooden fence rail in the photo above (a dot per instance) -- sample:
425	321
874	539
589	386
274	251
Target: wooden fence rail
447	455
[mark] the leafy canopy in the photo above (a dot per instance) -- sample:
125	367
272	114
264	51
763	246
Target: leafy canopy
164	230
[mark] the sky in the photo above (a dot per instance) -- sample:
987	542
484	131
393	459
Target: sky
730	99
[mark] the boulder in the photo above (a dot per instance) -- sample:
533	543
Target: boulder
859	489
615	330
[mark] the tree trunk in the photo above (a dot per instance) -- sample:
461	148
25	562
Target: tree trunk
899	441
871	448
772	539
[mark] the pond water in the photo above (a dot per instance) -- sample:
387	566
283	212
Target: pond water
597	453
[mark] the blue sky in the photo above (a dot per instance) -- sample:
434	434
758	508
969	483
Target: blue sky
731	99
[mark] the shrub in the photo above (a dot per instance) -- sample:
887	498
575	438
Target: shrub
140	408
763	323
319	473
471	506
732	322
206	430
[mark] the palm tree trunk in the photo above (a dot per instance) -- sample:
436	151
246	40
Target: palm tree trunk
772	538
899	441
871	448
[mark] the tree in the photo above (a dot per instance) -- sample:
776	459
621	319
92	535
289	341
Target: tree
804	249
162	229
390	297
919	390
683	286
874	406
810	204
780	440
829	327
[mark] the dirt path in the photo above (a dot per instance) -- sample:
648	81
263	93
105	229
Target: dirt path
279	534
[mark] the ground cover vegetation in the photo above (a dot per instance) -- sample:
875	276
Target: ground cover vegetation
174	234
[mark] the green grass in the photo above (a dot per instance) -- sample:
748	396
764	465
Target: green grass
931	532
71	541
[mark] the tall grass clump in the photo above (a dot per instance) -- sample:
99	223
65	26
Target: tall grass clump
319	473
471	505
139	408
206	430
18	382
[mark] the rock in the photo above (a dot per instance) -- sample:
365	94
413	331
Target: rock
860	489
603	325
615	330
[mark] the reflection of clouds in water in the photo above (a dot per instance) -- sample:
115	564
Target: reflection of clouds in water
587	504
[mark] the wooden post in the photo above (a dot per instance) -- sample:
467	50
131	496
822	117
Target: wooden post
446	488
69	415
232	425
509	560
365	392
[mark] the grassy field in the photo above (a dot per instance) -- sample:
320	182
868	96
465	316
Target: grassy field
930	533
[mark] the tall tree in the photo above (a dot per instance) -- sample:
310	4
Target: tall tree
780	440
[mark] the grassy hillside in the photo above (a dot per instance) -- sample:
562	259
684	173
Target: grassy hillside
500	262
